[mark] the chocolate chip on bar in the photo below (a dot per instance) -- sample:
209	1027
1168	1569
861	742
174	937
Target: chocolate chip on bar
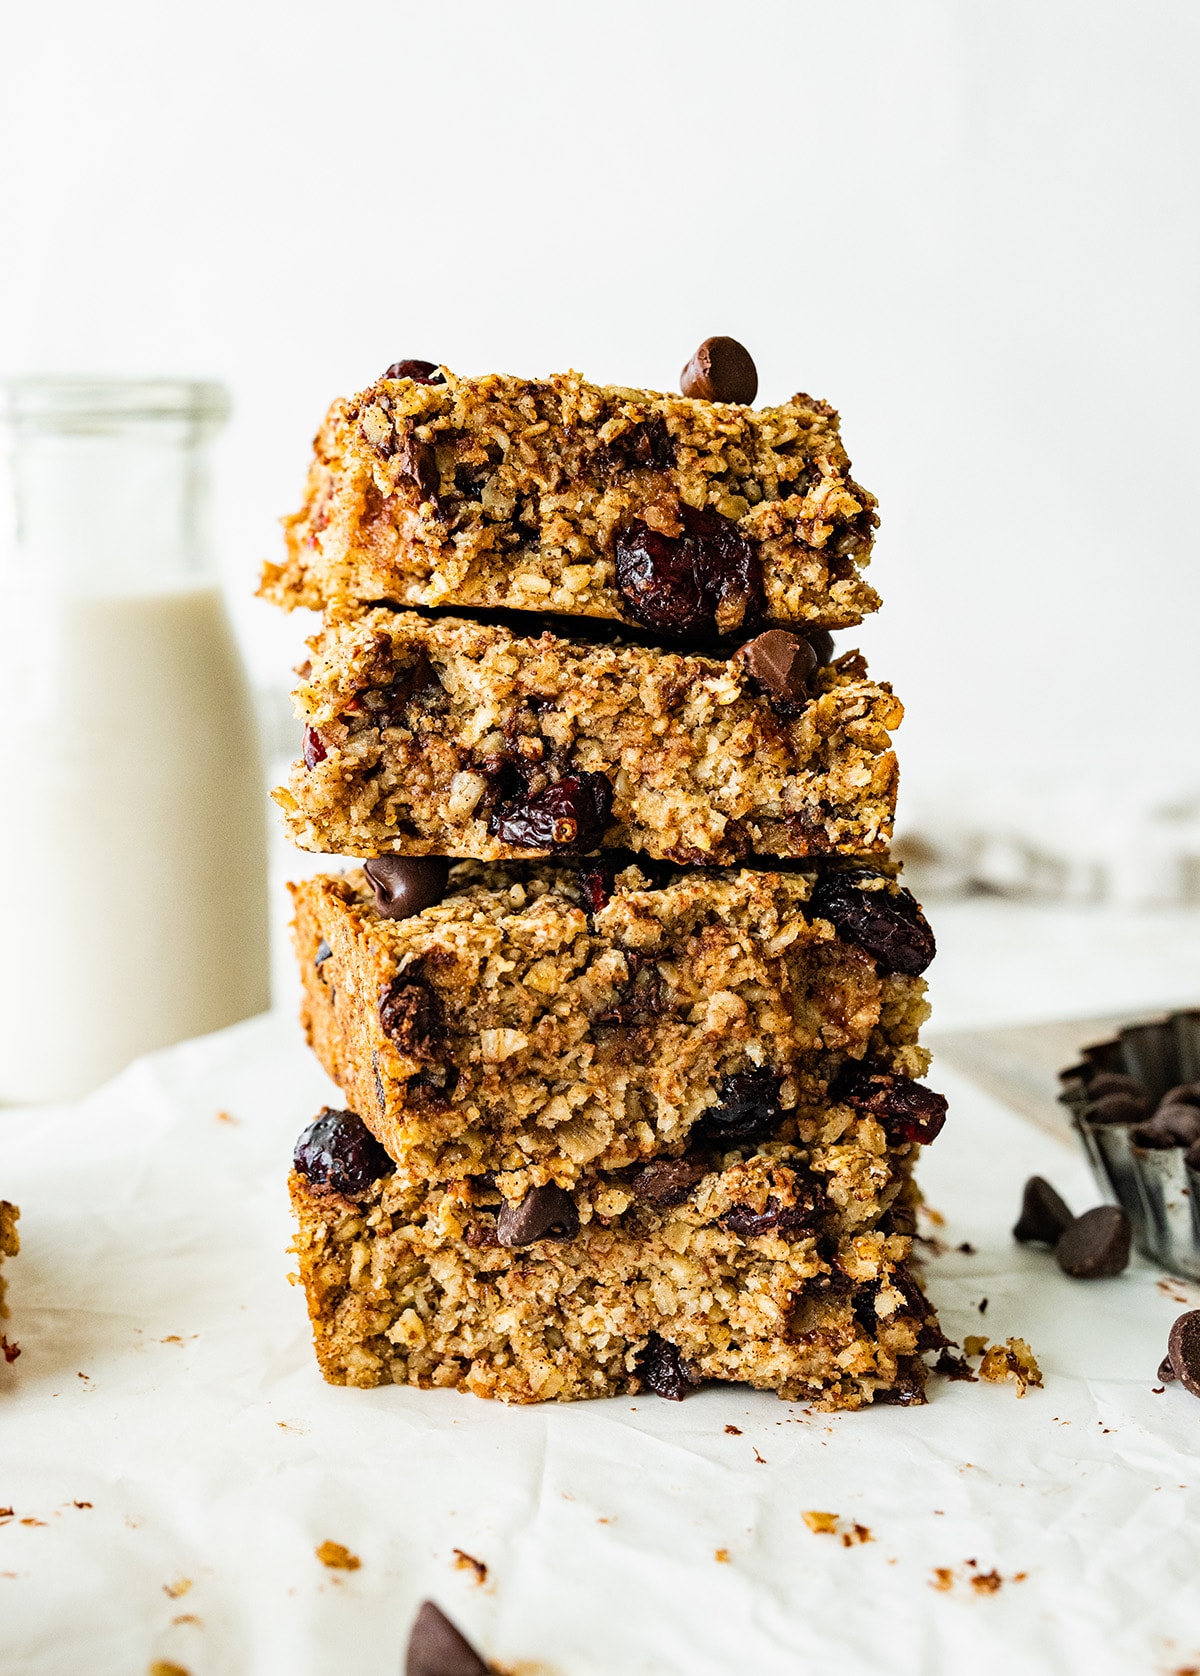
781	662
1096	1245
405	884
1165	1371
721	370
1044	1214
1183	1351
668	1181
544	1213
436	1648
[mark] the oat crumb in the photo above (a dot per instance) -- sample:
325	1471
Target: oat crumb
734	1431
1011	1360
823	1523
468	1562
164	1667
722	1556
178	1588
943	1578
228	1117
337	1557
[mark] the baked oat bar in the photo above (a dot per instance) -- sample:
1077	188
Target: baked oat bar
745	1269
447	736
539	1020
10	1242
690	517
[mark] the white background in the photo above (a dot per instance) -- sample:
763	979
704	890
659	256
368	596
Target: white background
971	226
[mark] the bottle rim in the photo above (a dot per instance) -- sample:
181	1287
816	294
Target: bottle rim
52	399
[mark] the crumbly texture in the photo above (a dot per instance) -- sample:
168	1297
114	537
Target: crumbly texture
10	1242
537	1039
406	1285
512	492
428	727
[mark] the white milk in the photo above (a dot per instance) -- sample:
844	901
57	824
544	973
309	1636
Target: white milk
132	835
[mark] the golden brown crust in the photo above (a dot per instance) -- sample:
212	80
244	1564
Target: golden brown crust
499	491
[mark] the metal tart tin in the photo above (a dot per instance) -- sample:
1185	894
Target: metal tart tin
1153	1185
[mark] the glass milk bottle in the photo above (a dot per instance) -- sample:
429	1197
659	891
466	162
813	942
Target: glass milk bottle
133	903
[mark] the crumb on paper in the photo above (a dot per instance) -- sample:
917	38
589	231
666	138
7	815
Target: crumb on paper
982	1582
30	1521
164	1667
935	1216
987	1582
822	1523
468	1562
951	1366
759	1458
943	1578
975	1344
1011	1360
186	1618
228	1117
829	1524
734	1431
337	1557
967	1249
983	1303
178	1588
722	1556
81	1504
9	1348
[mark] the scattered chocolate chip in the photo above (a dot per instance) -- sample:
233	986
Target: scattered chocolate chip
904	1109
404	884
421	372
322	955
1183	1351
953	1367
1119	1107
747	1110
338	1150
781	662
774	1217
668	1181
411	1017
1044	1214
721	370
665	1371
706	581
1165	1371
314	748
544	1213
1170	1126
1095	1245
821	642
890	926
1114	1082
436	1648
569	814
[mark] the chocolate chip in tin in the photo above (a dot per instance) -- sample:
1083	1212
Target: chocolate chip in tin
437	1648
821	642
1044	1214
1096	1245
721	370
781	662
1170	1126
1192	1158
1114	1082
547	1212
1119	1108
405	884
1183	1351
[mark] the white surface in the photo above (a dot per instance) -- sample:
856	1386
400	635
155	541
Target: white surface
972	227
132	852
167	1379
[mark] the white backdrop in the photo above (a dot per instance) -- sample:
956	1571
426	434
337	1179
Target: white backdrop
972	227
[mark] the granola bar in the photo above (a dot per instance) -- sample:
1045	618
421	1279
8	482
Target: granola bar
539	1021
558	495
449	736
748	1271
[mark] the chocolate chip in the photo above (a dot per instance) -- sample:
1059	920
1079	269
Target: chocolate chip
421	372
1183	1094
904	1109
665	1371
322	955
775	1217
410	1016
544	1213
668	1181
1165	1371
404	884
338	1150
1119	1107
1044	1214
1183	1349
721	370
821	642
1170	1126
781	662
888	925
314	748
1114	1082
436	1648
747	1110
1096	1245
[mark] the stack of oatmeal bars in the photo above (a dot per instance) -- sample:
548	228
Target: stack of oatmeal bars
624	997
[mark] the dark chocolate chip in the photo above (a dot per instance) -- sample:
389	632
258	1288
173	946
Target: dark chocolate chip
1044	1214
821	642
436	1648
338	1150
569	814
781	662
1114	1082
904	1109
747	1110
890	926
1096	1245
544	1213
314	748
322	955
665	1371
1118	1107
721	370
1165	1371
1170	1126
411	1017
1183	1094
668	1181
404	884
908	1390
1183	1349
774	1217
421	372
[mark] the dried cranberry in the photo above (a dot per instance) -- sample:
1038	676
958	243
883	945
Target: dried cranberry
411	1017
665	1371
596	882
891	927
773	1217
904	1109
570	814
747	1110
706	581
647	444
421	372
338	1150
314	748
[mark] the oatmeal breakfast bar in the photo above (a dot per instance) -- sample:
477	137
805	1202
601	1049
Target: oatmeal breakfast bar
10	1242
535	1020
688	516
448	736
746	1269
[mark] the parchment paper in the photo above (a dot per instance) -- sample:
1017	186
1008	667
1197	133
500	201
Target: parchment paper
167	1382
